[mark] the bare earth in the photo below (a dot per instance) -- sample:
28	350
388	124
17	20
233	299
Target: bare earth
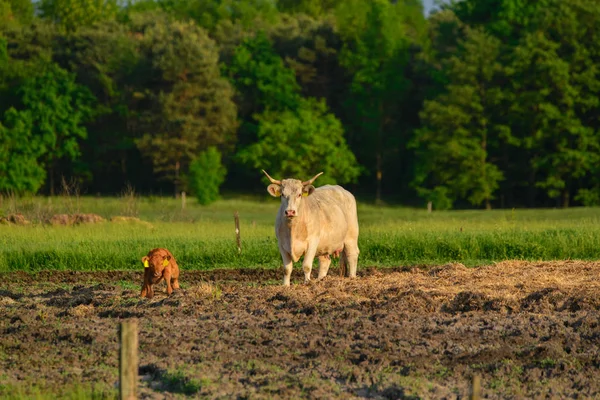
530	330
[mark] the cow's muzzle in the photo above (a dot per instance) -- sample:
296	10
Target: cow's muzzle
290	213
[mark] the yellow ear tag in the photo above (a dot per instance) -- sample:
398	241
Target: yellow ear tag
304	194
278	193
146	264
165	263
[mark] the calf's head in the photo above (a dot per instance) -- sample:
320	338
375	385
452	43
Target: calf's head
291	192
157	260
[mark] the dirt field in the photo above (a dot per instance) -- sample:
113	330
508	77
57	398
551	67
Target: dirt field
530	330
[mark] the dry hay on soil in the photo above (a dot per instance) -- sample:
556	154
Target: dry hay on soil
529	329
130	220
74	219
16	219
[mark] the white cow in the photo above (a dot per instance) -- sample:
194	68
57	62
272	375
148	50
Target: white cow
315	223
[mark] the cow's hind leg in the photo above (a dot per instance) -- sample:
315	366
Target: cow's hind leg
351	253
343	264
324	263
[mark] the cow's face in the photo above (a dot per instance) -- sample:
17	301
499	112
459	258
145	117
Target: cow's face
158	261
291	192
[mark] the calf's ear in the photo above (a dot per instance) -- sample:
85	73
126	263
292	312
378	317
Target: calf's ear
274	190
308	190
145	261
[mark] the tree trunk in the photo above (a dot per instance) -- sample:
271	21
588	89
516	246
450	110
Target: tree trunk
378	177
51	176
531	188
565	198
488	205
379	157
176	179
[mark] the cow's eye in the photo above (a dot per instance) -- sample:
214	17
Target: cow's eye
300	195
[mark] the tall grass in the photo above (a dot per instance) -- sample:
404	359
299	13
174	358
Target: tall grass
204	237
27	391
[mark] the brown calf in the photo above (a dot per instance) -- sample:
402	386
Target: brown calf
159	264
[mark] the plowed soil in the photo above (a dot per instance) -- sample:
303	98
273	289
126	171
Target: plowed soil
529	330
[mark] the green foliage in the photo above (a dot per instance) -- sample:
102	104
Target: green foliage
186	106
46	128
20	171
314	8
459	125
589	197
74	14
15	12
206	176
260	75
550	72
485	103
377	37
213	14
301	142
287	135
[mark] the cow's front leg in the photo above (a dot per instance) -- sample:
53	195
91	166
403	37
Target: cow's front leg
144	289
307	263
324	263
167	276
288	264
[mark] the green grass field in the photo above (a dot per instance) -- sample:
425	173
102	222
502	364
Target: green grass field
203	237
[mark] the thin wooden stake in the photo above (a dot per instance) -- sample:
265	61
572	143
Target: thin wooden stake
183	200
429	206
236	218
128	360
475	388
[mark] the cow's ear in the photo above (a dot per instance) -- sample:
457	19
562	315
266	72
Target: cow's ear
274	190
145	261
308	190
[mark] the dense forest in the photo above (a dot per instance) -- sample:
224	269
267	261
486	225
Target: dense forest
483	103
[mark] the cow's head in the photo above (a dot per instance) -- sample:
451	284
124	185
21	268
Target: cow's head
157	260
291	192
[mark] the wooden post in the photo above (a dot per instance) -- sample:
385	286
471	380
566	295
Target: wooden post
475	388
128	360
236	218
429	206
183	200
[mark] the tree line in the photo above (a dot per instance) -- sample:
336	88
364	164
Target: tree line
484	103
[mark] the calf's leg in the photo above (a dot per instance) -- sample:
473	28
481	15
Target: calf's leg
167	276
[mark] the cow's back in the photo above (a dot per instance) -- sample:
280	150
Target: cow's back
335	196
338	216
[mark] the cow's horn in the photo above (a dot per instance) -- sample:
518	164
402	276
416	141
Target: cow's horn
271	179
310	181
